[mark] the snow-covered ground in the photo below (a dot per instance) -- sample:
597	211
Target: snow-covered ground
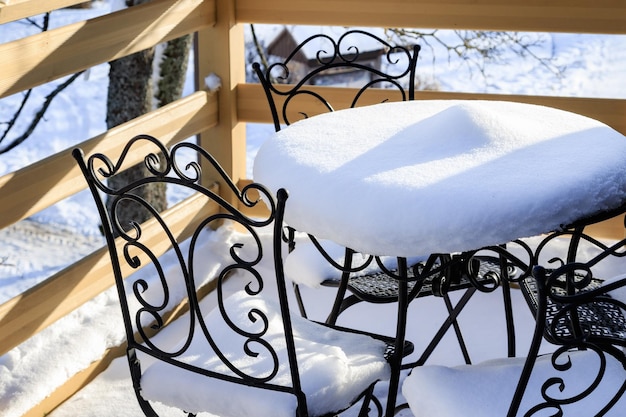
36	248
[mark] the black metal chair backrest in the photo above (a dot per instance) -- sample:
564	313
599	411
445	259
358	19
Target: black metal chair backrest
575	308
288	85
147	298
577	305
579	320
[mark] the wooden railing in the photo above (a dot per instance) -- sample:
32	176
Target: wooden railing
219	119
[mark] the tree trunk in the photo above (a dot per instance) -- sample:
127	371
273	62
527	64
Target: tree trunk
130	96
173	70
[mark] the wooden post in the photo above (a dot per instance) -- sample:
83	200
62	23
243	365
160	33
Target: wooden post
220	51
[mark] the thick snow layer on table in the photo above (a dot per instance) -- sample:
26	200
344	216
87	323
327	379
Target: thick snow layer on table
419	177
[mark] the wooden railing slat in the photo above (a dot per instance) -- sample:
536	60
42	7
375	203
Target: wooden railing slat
11	10
31	189
35	309
252	104
579	16
50	55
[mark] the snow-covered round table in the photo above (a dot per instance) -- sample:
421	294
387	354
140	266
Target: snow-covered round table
442	176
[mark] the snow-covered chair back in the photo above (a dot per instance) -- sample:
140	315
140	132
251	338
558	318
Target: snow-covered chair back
237	351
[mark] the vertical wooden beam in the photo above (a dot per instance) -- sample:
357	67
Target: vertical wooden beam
220	51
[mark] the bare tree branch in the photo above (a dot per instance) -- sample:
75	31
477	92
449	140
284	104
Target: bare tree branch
16	115
477	49
39	115
44	26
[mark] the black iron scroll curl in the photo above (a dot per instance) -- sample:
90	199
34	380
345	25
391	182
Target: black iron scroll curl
181	166
282	78
553	386
514	268
244	195
571	306
347	265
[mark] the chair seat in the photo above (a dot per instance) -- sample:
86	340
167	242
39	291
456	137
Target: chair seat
306	266
384	288
486	389
335	368
602	320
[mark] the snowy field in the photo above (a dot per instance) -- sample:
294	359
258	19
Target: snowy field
43	244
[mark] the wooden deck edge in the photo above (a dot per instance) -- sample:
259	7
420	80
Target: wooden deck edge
86	376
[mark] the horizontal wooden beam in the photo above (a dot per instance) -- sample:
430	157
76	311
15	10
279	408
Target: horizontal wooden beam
28	313
252	103
46	182
608	111
577	16
11	10
50	55
253	107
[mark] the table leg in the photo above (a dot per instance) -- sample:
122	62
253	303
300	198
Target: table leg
396	363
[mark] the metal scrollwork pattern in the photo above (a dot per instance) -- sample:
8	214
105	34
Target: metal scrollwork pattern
514	260
576	311
563	389
333	56
579	306
146	298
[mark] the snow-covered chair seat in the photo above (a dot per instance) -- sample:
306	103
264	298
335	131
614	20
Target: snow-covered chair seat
585	376
237	352
486	389
335	366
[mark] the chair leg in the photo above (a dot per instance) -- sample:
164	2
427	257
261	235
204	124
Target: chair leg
290	238
299	300
341	291
533	351
508	314
508	306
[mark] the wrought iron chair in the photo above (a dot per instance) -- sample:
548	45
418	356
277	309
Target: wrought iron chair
239	351
580	313
290	102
